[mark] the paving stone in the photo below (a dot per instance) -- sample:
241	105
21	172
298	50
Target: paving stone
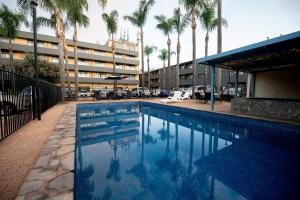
41	174
65	149
54	163
68	161
62	183
68	140
43	161
39	196
65	196
20	198
30	187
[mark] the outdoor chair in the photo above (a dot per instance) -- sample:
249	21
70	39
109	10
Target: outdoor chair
172	99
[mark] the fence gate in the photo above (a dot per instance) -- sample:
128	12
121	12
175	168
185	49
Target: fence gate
17	100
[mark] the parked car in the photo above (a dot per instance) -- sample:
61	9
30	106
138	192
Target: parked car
139	92
83	93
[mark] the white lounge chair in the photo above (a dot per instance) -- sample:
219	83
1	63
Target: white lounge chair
175	98
186	95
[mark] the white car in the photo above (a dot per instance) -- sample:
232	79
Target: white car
83	93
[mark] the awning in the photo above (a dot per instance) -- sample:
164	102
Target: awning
279	52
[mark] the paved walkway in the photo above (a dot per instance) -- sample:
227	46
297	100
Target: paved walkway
19	152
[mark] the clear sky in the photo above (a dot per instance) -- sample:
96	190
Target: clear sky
249	21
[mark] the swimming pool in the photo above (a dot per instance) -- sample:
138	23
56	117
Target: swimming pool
142	150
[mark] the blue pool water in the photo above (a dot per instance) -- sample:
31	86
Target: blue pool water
150	151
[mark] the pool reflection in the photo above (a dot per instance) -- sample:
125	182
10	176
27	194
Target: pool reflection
136	152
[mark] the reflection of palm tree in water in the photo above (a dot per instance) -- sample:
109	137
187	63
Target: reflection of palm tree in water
83	175
190	185
139	170
114	168
148	138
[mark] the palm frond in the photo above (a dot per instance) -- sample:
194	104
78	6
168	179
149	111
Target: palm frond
165	24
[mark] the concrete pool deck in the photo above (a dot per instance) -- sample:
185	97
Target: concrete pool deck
52	173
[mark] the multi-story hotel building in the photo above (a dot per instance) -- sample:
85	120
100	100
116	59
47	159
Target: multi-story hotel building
95	61
157	77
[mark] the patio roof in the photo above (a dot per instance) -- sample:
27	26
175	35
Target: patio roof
279	52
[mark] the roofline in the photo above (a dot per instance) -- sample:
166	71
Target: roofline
250	47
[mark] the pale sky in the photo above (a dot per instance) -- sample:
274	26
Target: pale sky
249	21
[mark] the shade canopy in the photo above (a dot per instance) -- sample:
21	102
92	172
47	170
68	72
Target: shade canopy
279	52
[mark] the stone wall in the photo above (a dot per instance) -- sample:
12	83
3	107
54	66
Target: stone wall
277	109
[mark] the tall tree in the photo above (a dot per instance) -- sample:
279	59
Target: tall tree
163	56
138	19
76	17
56	7
111	21
148	51
50	22
193	7
209	23
180	21
166	25
10	24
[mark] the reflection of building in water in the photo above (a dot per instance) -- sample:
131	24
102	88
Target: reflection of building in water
118	126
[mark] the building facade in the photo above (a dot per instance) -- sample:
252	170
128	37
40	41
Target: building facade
95	62
186	77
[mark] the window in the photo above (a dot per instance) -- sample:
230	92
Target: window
83	74
40	44
55	60
54	46
99	64
30	43
82	50
83	62
6	40
5	55
98	75
99	53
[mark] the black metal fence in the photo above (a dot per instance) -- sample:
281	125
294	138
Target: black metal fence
18	100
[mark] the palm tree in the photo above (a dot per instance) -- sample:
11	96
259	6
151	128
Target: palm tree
209	23
166	26
219	40
50	22
77	17
163	56
10	23
57	7
180	23
148	51
138	19
193	6
111	21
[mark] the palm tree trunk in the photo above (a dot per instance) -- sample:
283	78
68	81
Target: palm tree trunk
165	80
169	64
11	55
60	34
67	66
142	50
219	71
0	52
76	61
194	26
148	62
206	54
114	62
178	61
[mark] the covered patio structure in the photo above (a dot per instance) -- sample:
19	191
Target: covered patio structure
273	88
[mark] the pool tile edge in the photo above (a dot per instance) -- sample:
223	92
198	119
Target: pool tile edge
52	177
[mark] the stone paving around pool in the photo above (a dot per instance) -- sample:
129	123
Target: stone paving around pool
53	174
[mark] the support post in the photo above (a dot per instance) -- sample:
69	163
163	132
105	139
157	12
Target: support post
212	87
236	83
252	85
36	69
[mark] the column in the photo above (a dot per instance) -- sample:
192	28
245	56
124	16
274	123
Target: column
212	88
236	83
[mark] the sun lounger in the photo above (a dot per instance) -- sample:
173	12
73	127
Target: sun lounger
171	99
